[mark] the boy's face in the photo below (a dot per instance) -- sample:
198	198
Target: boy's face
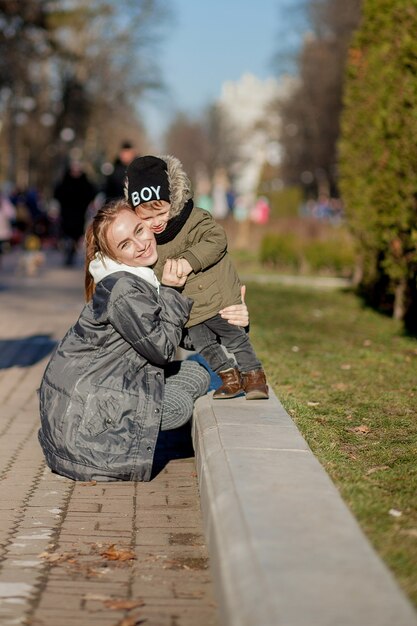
155	214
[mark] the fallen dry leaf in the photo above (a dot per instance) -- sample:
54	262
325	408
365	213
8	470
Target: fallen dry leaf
395	513
99	597
91	572
57	558
345	366
361	430
313	403
340	386
114	554
89	483
131	620
378	468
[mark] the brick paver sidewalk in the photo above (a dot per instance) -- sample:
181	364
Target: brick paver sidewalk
82	553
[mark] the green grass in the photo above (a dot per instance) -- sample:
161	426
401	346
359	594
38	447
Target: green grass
348	377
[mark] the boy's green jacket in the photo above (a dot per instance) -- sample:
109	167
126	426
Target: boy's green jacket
213	284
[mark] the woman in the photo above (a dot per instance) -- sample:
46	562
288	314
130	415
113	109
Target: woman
111	385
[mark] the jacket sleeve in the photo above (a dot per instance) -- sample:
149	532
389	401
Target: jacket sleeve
152	324
208	243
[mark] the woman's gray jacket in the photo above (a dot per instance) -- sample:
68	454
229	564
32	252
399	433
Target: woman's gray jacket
101	393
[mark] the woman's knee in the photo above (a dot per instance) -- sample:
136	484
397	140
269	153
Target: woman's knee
198	378
190	377
177	409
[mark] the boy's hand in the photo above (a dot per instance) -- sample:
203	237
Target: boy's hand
173	274
184	267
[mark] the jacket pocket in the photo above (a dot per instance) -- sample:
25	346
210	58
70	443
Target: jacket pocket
103	411
108	428
205	294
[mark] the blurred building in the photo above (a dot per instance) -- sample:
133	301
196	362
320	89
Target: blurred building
252	106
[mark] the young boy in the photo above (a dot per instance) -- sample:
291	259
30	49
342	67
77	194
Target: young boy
160	192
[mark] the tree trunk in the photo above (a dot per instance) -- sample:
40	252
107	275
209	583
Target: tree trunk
357	273
399	300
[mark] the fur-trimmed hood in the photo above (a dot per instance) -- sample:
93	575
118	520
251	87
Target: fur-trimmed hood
180	190
179	184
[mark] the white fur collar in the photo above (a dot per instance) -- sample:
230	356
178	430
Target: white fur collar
102	266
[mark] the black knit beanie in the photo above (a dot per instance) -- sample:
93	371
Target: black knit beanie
147	180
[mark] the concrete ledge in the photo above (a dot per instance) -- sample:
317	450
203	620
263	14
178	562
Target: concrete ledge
284	548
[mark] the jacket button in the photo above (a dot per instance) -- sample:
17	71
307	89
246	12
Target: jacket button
200	287
158	373
156	410
149	449
109	420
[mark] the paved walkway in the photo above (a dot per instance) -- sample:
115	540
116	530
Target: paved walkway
82	553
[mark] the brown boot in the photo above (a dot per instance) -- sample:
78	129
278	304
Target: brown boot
232	385
254	384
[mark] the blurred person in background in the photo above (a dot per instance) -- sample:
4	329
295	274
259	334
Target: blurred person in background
7	216
74	192
114	184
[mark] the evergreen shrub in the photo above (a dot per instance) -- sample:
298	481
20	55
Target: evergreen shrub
280	250
334	254
378	155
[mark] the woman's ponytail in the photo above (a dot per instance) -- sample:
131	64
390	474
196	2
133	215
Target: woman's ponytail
90	251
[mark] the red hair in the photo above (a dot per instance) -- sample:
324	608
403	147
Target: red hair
96	241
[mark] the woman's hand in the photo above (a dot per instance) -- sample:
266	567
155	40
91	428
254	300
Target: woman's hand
173	273
237	314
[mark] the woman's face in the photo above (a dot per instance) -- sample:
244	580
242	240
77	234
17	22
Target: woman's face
131	241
